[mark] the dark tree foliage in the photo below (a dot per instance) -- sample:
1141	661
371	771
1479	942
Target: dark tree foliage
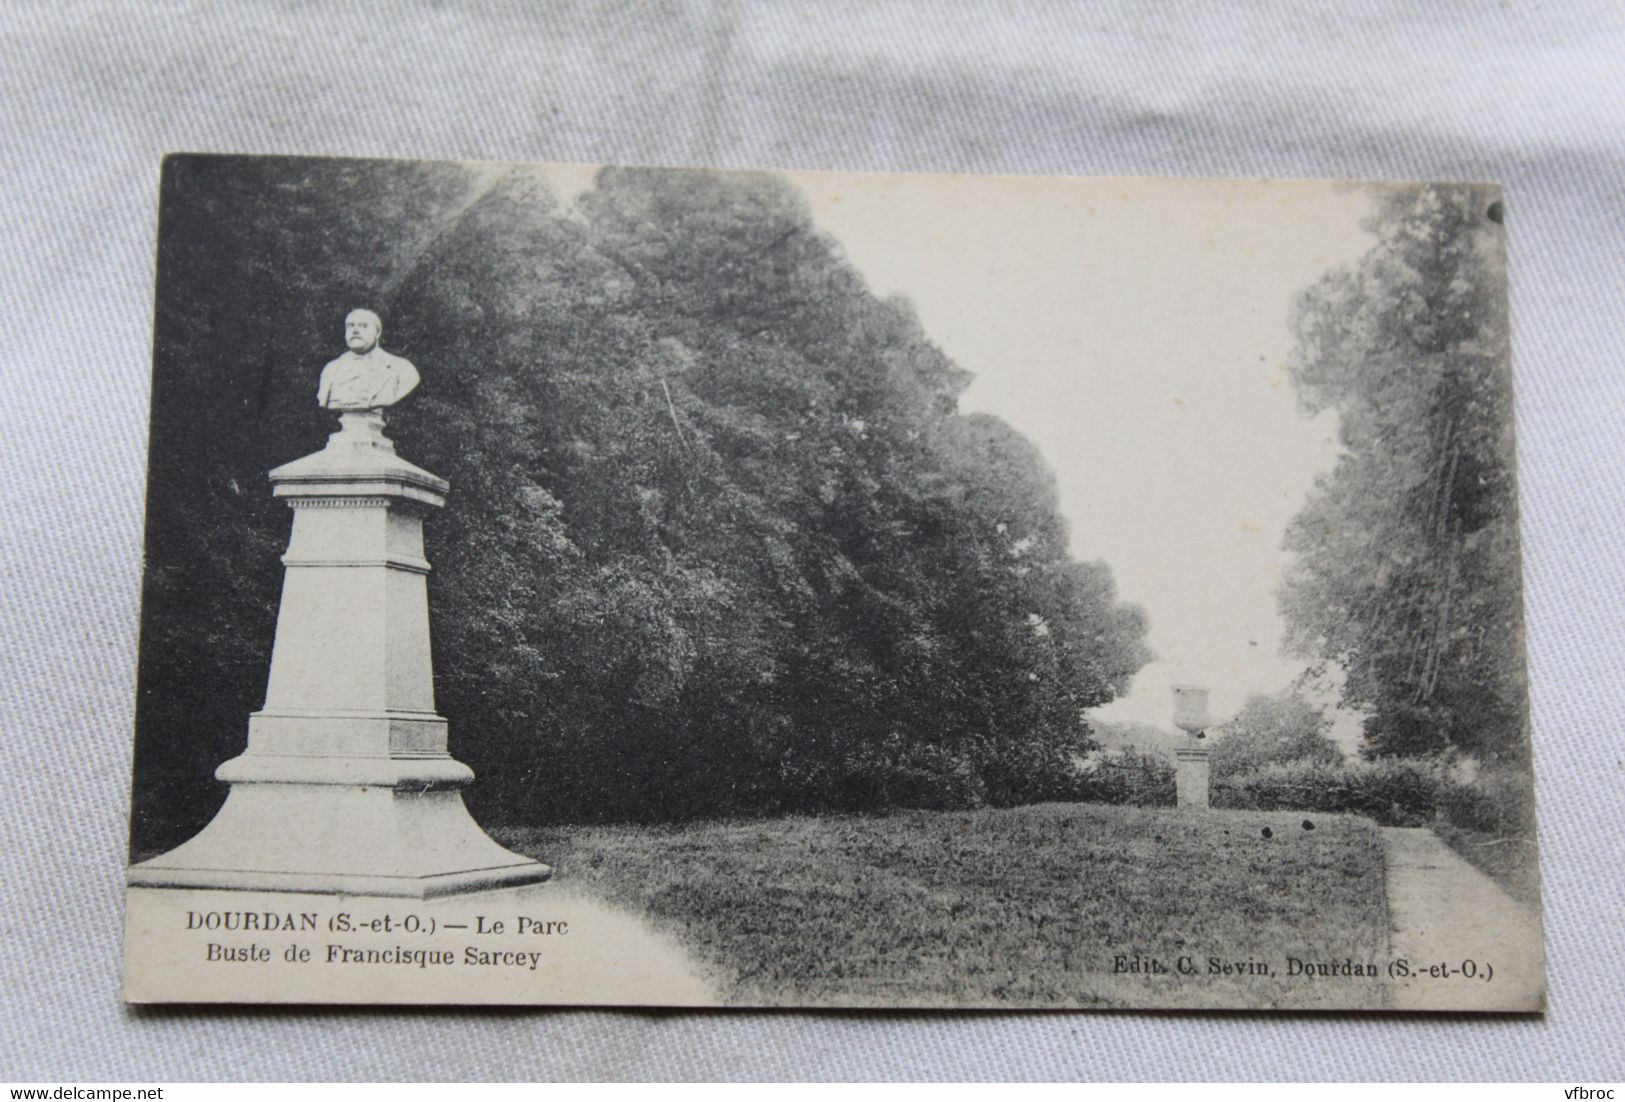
1408	569
718	540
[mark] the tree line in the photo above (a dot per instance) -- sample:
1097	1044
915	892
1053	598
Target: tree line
1404	593
719	541
1407	576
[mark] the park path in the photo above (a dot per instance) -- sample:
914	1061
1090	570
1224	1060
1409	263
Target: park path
612	955
1443	911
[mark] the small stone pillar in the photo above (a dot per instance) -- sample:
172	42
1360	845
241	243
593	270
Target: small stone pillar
1191	775
1191	760
346	785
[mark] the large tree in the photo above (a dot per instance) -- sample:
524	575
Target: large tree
1407	569
718	540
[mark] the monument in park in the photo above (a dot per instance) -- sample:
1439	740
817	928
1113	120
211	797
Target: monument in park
1191	765
346	784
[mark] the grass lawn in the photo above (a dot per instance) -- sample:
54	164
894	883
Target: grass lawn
1017	906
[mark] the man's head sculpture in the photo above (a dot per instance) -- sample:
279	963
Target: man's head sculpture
365	377
362	331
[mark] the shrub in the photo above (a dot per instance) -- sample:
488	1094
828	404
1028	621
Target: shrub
1499	802
895	774
1282	729
1126	777
1393	791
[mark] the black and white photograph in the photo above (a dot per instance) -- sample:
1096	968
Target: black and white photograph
572	584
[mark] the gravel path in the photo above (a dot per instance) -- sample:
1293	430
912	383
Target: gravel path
1449	917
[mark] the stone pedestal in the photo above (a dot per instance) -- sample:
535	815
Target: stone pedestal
346	785
1191	775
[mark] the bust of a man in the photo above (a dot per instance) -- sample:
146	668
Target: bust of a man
365	377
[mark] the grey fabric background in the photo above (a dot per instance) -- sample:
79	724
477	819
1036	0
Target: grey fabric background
92	93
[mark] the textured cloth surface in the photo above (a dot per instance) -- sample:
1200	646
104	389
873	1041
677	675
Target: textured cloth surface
92	94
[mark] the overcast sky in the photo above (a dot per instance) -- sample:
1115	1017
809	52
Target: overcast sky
1136	331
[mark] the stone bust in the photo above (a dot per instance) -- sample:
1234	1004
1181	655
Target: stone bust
365	377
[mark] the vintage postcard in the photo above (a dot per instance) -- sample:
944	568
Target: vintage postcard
676	587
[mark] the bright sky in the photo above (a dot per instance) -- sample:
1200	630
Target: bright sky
1136	332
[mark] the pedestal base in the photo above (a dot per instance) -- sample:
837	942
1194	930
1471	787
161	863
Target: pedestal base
341	839
1191	776
346	785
